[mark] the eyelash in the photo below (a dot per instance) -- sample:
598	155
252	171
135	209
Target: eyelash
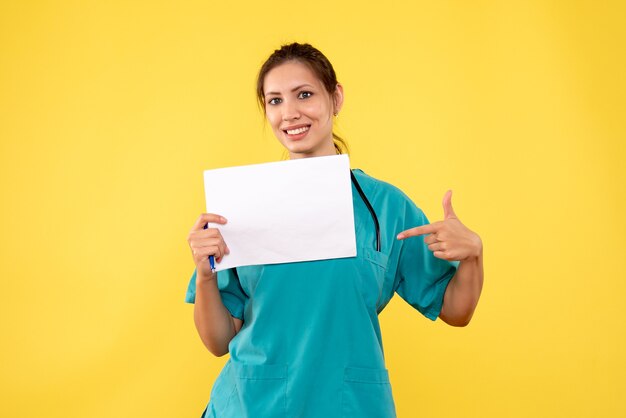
271	101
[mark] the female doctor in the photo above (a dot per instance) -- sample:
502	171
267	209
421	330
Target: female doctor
304	338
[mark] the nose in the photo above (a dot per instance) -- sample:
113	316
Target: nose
290	110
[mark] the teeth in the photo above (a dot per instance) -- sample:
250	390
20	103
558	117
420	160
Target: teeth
298	131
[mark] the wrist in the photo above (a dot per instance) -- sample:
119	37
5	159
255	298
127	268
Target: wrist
477	250
205	278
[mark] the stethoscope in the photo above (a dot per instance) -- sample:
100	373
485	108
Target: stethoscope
369	207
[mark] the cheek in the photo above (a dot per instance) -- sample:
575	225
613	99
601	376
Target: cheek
314	109
321	111
273	119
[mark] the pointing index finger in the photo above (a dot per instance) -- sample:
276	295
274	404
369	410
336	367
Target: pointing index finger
420	230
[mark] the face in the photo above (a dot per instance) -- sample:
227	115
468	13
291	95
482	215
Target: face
300	110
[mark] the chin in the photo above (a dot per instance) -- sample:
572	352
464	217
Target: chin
298	148
298	152
305	147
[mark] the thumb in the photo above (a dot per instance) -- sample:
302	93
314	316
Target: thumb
448	212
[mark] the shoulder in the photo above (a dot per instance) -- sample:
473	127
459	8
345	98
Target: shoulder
389	199
381	189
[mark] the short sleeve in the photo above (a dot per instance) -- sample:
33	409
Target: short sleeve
421	278
233	296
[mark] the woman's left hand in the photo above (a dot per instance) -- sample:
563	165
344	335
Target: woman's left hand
448	239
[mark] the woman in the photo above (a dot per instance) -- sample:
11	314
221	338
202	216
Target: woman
304	338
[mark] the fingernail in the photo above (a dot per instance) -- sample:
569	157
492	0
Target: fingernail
400	236
223	219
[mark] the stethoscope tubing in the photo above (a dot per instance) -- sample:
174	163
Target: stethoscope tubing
369	207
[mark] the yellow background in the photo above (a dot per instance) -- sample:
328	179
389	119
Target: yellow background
109	112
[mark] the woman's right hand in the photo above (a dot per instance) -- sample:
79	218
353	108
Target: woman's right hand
206	242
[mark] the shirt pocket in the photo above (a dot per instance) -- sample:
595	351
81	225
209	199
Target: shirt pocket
372	271
367	393
262	389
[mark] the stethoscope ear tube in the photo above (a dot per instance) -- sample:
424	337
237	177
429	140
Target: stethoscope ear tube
369	207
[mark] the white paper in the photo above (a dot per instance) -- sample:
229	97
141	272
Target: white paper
281	212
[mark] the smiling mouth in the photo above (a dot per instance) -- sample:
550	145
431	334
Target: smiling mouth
297	131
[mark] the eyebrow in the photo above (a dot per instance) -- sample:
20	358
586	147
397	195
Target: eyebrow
293	89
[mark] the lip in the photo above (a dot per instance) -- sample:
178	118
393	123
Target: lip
288	128
299	136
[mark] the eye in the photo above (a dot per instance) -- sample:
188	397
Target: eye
305	95
274	101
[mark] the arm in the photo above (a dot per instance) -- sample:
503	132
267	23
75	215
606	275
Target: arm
463	292
451	240
214	323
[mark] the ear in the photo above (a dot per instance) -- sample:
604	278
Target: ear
338	98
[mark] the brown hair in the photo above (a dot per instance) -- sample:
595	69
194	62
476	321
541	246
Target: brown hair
312	58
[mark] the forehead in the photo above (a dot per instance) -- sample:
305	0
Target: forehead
289	75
